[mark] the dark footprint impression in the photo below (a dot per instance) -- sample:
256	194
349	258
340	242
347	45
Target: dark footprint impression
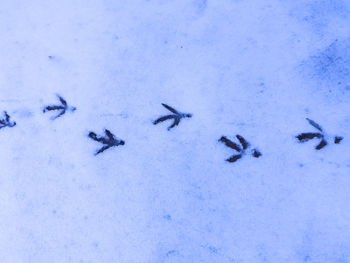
176	116
6	121
60	108
304	137
241	149
108	141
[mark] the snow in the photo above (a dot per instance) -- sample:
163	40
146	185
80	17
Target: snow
253	68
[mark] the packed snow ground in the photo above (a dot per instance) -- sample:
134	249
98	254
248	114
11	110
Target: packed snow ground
255	68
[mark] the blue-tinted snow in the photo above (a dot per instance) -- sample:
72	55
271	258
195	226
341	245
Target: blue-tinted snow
254	68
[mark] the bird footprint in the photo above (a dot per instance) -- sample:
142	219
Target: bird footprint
306	136
6	121
108	141
176	116
241	149
61	108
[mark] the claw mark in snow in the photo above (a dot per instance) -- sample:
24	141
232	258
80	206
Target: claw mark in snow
177	116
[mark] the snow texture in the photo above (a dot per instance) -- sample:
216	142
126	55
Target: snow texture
252	68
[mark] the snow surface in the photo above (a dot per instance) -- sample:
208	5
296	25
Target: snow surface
254	68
